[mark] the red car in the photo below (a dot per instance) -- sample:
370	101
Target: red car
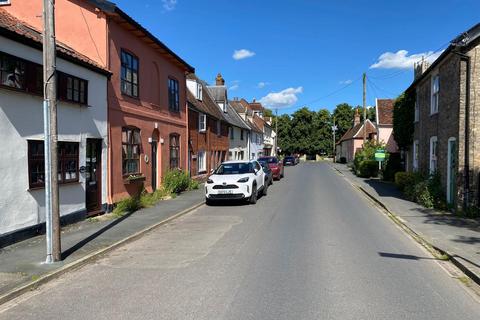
275	165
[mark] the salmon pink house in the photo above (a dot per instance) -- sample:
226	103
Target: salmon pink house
147	113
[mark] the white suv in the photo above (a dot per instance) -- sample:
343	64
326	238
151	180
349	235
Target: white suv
236	180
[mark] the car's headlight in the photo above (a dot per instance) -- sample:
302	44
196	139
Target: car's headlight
244	179
209	181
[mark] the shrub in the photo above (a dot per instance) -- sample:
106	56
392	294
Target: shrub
423	195
391	166
367	168
193	184
176	181
404	180
127	205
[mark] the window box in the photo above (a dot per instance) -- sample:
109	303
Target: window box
133	178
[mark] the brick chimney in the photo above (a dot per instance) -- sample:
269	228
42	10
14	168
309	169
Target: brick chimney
420	67
219	81
356	120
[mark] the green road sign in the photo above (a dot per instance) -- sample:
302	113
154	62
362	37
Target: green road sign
380	155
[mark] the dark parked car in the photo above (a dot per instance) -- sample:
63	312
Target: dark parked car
289	161
268	173
274	164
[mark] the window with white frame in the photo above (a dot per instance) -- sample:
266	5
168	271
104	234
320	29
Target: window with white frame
416	144
223	106
433	154
199	91
4	2
435	94
202	161
202	122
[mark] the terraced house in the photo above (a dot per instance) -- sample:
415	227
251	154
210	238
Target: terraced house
208	140
147	116
446	119
82	131
239	131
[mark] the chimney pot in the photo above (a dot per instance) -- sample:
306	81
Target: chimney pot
219	81
356	120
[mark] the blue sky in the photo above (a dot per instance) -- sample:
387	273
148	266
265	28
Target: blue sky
292	53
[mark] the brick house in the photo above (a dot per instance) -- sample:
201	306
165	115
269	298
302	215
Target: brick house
239	131
82	132
352	140
447	107
384	123
147	114
208	137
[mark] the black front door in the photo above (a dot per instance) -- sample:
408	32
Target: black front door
93	175
154	165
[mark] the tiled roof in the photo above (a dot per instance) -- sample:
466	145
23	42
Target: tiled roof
256	106
357	130
237	105
385	111
259	122
207	104
13	27
234	118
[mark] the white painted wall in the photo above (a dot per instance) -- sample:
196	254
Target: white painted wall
21	119
237	145
256	149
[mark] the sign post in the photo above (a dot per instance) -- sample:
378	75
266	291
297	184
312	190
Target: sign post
380	157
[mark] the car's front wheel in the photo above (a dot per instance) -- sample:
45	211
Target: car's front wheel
253	197
265	188
208	202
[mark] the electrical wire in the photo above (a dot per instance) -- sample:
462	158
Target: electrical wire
330	94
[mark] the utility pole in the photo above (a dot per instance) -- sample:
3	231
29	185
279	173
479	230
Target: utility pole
364	108
334	129
276	132
52	215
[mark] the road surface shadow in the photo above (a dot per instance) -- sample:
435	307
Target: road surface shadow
93	236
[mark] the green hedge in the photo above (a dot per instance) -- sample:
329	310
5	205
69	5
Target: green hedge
367	168
404	179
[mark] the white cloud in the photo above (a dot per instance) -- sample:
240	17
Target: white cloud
169	5
401	59
234	87
346	82
283	99
262	85
242	54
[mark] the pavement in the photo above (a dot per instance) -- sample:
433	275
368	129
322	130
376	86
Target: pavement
458	237
313	248
22	264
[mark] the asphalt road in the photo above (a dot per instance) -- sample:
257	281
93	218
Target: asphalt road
314	248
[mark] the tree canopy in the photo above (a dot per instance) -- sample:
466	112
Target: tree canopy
403	119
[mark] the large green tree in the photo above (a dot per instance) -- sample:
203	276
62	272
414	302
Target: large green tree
343	114
321	138
283	135
302	130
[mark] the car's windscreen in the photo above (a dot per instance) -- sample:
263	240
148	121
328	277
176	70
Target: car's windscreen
268	160
234	168
289	158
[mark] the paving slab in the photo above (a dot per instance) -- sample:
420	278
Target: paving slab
23	262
